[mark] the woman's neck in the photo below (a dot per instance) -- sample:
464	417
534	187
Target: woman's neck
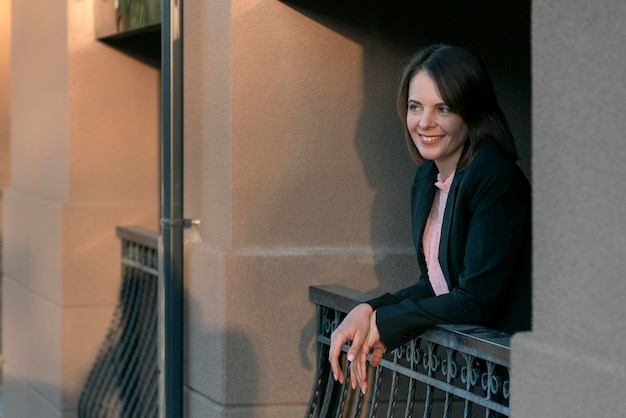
445	172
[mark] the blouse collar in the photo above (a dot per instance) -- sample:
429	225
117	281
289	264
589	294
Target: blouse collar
444	185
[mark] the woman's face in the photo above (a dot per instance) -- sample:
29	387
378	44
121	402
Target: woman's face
437	133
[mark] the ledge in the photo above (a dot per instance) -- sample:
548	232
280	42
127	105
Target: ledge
143	44
139	235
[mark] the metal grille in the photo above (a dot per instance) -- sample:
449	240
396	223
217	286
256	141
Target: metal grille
124	380
450	371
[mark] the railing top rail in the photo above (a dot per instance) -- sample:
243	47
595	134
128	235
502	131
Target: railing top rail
480	341
138	234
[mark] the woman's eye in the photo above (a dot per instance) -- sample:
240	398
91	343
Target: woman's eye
413	107
444	109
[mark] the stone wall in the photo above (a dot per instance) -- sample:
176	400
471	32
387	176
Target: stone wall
572	363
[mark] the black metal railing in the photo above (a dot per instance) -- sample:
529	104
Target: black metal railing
124	380
449	371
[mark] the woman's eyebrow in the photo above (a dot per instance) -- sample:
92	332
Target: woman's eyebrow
440	104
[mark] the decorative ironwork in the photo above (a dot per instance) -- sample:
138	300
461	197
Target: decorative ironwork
124	380
449	371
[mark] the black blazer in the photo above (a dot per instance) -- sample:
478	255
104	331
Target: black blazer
484	252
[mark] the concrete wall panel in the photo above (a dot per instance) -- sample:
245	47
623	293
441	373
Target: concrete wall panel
113	127
84	157
205	315
208	120
15	220
28	320
572	362
92	251
33	236
83	330
5	98
16	336
25	402
39	111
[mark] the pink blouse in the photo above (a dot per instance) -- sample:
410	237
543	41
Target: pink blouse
432	236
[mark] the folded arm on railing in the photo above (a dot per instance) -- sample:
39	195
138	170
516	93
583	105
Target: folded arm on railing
466	363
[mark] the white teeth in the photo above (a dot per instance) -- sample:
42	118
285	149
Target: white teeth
431	138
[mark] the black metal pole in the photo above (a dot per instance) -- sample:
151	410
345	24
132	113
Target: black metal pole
172	223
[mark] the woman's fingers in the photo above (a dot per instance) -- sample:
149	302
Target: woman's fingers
355	328
362	368
377	355
353	376
337	340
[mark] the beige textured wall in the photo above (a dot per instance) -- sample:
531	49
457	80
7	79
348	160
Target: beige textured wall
5	83
84	158
5	55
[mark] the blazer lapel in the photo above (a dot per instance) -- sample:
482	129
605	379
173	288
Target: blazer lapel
447	225
422	200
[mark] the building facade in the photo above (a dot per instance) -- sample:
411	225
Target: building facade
295	165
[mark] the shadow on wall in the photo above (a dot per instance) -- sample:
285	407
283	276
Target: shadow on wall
214	363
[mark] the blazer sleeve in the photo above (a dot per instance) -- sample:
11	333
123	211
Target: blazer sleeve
491	222
421	290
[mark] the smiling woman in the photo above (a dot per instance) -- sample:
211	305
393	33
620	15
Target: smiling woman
470	215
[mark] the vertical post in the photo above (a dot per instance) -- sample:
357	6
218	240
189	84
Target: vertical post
172	224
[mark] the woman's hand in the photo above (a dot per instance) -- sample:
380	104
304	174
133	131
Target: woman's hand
355	327
358	368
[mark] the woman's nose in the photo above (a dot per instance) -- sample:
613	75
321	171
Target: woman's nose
426	120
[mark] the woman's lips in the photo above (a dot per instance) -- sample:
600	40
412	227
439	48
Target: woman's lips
430	139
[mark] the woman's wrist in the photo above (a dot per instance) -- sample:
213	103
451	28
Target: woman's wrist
373	326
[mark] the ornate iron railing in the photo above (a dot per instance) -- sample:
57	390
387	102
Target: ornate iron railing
449	371
124	380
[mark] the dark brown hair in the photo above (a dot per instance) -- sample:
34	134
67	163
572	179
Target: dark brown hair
463	83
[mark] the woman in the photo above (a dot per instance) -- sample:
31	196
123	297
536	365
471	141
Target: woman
470	215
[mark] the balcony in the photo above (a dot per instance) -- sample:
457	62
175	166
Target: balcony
449	371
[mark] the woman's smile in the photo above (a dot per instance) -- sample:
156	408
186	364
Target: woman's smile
430	139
